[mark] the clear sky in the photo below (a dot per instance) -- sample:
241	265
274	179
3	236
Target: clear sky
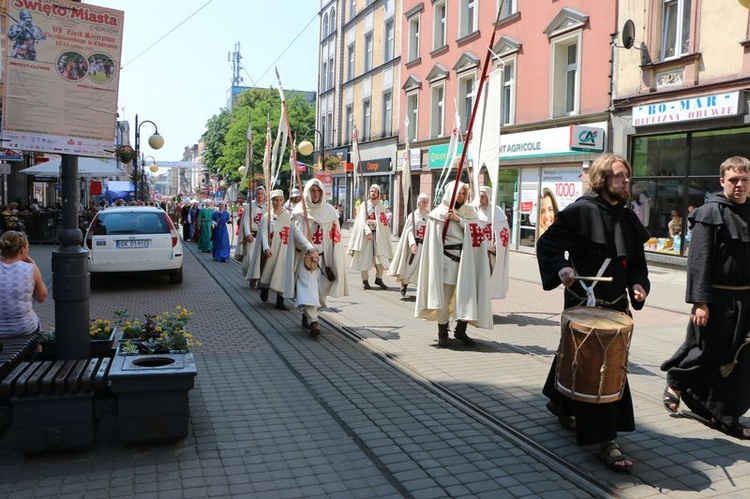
184	79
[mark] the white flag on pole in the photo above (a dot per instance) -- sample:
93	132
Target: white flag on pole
484	146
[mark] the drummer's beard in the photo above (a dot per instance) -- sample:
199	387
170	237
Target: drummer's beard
621	195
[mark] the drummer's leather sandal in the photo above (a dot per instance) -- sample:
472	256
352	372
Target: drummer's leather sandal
671	401
611	455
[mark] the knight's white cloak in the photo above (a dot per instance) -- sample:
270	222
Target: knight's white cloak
365	253
405	264
498	238
472	294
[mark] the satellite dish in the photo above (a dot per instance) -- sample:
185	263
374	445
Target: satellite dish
628	34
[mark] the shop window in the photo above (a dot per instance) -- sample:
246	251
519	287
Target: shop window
660	155
709	149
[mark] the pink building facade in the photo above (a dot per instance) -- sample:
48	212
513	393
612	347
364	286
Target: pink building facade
555	68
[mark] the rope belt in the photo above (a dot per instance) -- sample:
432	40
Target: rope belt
731	288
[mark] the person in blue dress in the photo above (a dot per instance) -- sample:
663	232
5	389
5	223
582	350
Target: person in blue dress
221	234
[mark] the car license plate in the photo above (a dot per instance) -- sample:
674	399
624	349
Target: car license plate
133	243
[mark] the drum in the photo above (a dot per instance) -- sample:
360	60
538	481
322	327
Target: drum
592	360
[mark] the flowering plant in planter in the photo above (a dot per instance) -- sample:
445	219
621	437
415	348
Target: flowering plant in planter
125	154
100	329
159	333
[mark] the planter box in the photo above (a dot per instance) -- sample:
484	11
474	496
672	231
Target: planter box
104	347
53	423
152	395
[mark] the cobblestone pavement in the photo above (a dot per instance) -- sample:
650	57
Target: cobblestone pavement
373	409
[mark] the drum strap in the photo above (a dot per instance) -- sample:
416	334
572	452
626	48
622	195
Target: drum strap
590	298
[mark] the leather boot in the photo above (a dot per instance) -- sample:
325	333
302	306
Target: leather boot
443	340
460	334
403	289
305	322
264	294
379	282
280	303
366	284
314	329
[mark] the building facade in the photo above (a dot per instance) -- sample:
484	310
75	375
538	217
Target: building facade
358	91
680	108
554	109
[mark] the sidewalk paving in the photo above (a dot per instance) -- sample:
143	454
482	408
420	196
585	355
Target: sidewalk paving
363	414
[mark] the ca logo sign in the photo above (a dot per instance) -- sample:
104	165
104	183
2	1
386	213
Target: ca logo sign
587	137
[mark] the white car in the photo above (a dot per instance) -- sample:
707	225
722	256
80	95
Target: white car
134	239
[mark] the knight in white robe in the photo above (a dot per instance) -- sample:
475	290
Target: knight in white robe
370	239
249	224
497	234
322	228
405	264
275	245
454	275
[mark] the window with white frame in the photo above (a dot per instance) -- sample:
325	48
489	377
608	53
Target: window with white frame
465	99
352	9
565	76
509	7
348	124
387	114
329	130
412	113
508	104
675	37
438	28
437	111
326	26
330	72
390	41
414	37
333	21
350	61
368	51
467	17
324	76
366	118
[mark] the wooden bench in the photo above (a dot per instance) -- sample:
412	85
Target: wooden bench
52	402
15	350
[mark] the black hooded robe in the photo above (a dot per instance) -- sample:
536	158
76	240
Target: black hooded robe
719	255
591	230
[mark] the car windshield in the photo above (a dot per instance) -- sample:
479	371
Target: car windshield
130	223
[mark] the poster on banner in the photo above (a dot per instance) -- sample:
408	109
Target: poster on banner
327	179
61	75
559	188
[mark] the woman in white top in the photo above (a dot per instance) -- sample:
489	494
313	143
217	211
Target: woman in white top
20	284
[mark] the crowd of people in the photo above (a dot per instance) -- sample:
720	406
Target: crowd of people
456	254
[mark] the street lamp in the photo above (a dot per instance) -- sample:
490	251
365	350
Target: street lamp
306	147
156	141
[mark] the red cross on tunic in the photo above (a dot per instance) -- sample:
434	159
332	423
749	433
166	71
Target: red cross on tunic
504	236
384	219
477	235
487	232
257	217
284	235
317	237
335	234
371	215
420	232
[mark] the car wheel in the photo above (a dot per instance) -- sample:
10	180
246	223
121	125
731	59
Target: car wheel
176	277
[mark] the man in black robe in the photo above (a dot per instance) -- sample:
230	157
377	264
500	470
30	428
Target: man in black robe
711	370
601	237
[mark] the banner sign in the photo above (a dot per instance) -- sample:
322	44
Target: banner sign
62	65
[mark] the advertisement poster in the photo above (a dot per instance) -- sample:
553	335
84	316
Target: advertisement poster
559	188
61	62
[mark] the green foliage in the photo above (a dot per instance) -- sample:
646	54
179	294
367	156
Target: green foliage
225	139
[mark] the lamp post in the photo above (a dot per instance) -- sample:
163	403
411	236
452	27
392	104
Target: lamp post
306	147
156	141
